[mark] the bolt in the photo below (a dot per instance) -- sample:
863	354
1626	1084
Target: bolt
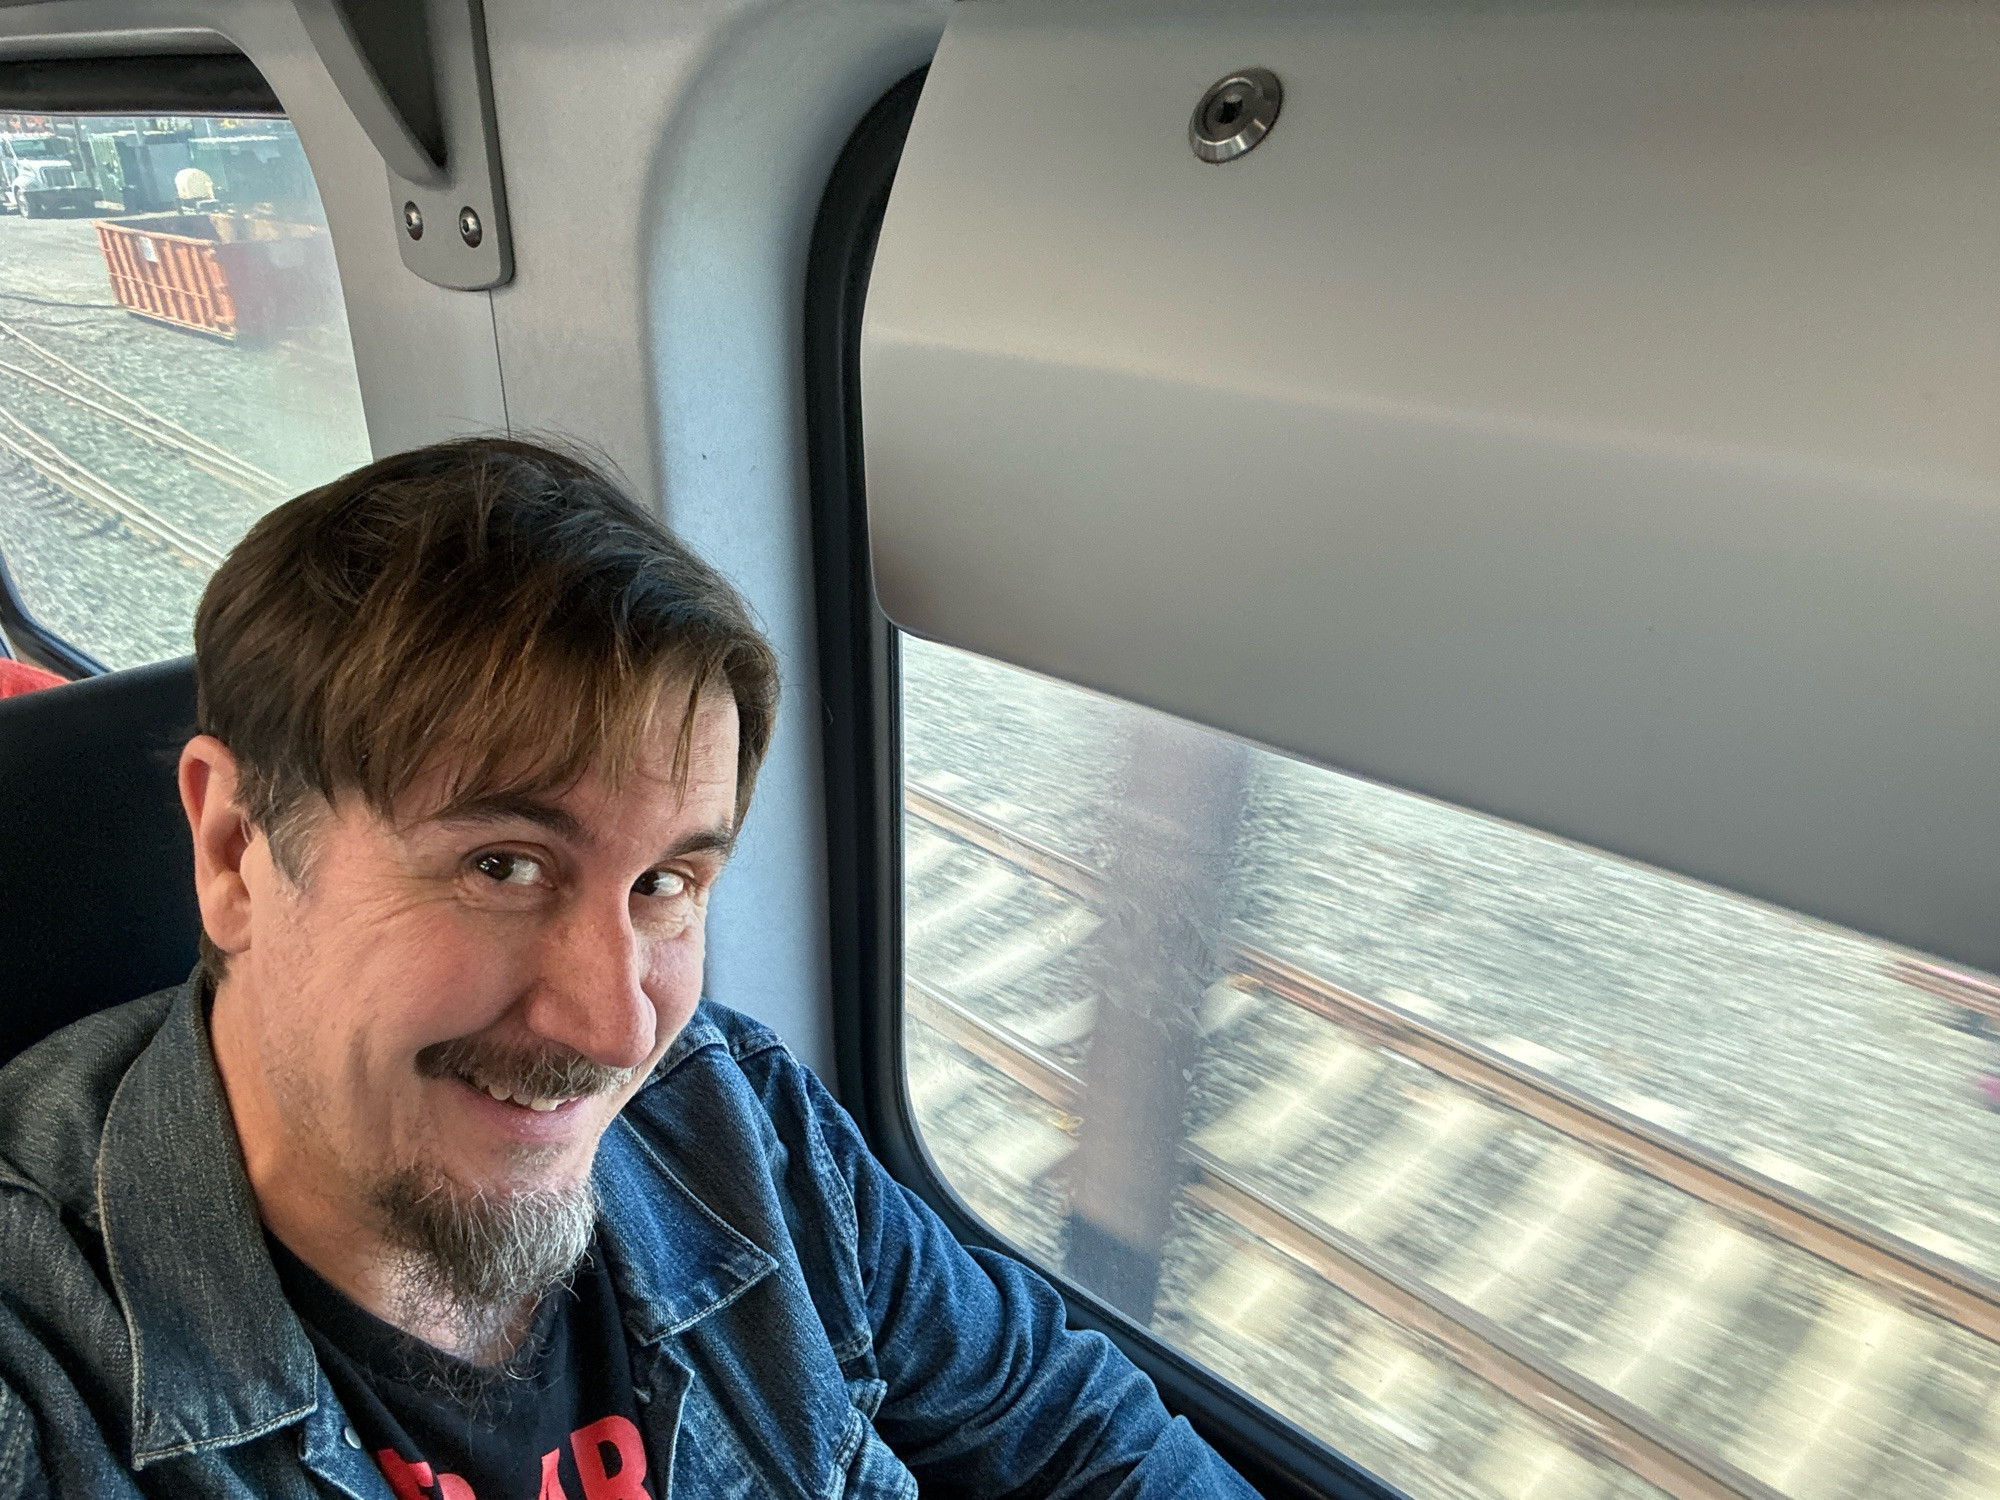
413	220
470	229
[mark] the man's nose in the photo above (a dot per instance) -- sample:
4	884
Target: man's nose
590	995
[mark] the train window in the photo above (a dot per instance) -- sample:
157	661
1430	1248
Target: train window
174	361
1503	1166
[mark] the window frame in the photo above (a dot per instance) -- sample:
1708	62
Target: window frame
859	685
164	83
33	641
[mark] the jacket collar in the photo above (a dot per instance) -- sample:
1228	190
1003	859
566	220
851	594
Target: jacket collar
218	1357
673	1260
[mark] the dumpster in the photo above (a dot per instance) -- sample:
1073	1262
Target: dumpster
233	276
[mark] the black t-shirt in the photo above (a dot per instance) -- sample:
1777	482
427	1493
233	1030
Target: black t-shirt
556	1422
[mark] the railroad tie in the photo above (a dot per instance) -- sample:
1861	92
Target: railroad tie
1223	1004
1027	1153
1042	943
1252	1296
1410	1164
1525	1461
1394	1385
938	919
1978	1473
937	1082
1822	1418
1522	1250
1279	1116
924	851
1674	1312
1059	1026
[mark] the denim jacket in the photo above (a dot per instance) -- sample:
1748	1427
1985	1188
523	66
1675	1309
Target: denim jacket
800	1325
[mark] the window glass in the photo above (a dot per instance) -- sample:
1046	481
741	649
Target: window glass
174	361
1503	1166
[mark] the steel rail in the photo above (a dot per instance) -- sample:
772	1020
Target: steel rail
199	457
56	466
1591	1418
1907	1273
1015	1056
981	831
55	463
193	440
1594	1419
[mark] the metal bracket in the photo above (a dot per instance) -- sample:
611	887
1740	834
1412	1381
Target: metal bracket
415	74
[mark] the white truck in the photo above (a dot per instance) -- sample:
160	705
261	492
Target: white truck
38	181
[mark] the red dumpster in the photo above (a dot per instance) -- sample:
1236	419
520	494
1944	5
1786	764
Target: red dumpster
231	275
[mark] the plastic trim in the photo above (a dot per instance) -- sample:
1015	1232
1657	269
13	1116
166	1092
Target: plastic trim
167	83
859	680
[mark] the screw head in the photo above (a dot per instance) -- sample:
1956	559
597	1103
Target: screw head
413	221
469	228
1235	114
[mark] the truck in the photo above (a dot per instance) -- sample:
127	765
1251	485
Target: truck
38	180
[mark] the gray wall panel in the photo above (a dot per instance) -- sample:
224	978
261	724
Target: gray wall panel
1582	414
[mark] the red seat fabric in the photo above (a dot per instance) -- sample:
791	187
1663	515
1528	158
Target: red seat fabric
19	677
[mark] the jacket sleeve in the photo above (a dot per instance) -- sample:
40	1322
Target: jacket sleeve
988	1392
21	1476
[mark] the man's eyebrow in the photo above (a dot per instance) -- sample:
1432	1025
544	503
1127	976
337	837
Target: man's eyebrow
719	840
503	807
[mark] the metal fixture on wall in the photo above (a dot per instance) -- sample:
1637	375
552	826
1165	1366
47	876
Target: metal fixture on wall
416	77
1235	114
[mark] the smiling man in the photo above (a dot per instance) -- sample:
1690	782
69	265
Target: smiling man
438	1180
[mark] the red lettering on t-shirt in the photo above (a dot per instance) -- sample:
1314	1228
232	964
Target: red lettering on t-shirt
408	1480
551	1482
588	1444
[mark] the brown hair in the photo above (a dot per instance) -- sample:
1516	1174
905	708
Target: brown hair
491	606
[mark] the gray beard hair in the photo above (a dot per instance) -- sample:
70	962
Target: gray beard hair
474	1260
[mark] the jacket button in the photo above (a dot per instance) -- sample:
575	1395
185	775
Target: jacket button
353	1437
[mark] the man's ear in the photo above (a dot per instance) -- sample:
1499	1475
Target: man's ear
222	836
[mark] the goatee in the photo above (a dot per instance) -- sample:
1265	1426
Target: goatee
473	1259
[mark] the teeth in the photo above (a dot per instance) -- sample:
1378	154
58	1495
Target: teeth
506	1096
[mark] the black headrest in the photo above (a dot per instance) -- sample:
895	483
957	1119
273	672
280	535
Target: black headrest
96	870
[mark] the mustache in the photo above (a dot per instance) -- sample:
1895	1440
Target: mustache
541	1073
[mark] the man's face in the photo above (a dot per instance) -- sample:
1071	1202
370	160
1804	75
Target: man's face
467	1001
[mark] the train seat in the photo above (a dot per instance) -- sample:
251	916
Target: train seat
97	888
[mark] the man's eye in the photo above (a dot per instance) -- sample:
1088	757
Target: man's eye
660	883
508	869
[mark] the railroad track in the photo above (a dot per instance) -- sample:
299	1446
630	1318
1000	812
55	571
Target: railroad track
1628	1306
36	371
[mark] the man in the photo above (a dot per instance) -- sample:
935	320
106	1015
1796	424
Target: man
438	1179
